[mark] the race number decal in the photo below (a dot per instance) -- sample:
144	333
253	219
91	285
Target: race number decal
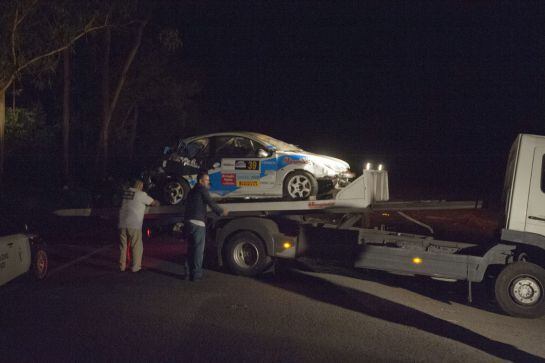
247	165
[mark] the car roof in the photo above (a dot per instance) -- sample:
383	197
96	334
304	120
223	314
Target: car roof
249	134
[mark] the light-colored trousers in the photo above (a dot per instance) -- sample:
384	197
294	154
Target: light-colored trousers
134	236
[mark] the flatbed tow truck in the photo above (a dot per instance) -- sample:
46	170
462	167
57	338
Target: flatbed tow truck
257	234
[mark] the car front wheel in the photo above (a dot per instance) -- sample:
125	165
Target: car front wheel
300	185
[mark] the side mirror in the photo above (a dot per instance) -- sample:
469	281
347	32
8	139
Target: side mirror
263	153
216	165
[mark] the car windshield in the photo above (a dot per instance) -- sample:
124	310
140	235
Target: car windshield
279	145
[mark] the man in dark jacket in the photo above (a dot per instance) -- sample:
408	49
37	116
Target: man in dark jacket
194	223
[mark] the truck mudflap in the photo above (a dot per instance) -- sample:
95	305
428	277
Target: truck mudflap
442	265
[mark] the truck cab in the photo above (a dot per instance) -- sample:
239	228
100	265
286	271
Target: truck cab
524	192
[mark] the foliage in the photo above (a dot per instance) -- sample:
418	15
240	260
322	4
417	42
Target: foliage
27	132
163	88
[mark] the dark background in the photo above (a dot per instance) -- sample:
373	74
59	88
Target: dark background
436	90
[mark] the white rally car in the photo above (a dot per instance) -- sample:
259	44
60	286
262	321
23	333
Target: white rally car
21	253
246	165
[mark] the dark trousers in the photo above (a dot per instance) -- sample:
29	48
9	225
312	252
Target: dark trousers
196	238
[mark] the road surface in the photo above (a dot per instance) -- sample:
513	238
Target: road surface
308	311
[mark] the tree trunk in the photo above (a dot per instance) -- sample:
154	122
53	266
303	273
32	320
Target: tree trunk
2	131
101	156
105	127
66	117
13	96
132	135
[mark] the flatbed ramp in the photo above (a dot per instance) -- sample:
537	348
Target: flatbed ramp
367	193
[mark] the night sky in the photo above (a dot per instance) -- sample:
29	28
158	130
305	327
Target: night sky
435	86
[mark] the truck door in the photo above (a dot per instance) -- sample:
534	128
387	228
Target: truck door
535	214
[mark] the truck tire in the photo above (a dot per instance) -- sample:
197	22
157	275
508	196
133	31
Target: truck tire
299	185
175	192
40	264
519	290
245	254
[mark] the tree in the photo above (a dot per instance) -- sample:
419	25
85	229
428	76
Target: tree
37	33
67	77
162	102
110	105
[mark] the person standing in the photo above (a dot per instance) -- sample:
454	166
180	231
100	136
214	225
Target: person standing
195	223
131	218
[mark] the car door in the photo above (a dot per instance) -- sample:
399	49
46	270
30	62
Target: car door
236	168
14	256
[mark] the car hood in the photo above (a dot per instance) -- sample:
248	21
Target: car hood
335	164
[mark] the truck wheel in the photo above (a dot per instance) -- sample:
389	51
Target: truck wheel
299	185
519	290
40	264
245	254
175	192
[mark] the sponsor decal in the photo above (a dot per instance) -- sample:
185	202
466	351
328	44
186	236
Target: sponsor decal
314	204
269	162
252	176
247	183
228	179
228	164
247	165
289	160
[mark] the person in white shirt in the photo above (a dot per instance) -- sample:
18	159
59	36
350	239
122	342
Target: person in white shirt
131	218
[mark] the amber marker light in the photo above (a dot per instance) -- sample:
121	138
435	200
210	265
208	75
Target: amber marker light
417	260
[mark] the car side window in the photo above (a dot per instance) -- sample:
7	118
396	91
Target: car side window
235	147
198	148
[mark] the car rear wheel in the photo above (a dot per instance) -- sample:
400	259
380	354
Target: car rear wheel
300	185
40	264
175	192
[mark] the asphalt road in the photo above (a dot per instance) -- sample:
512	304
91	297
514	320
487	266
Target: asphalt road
307	311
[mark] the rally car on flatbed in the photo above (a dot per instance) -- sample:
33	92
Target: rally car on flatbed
245	165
